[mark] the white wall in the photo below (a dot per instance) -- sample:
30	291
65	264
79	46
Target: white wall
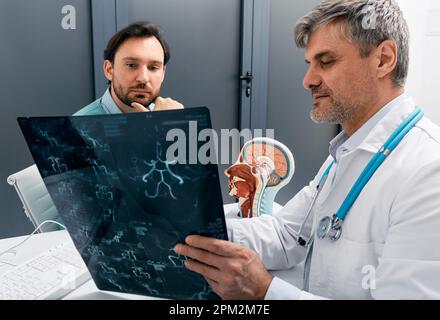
423	17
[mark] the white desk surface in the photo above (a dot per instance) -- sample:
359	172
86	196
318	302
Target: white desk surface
41	242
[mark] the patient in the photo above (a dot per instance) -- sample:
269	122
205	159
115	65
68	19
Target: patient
135	63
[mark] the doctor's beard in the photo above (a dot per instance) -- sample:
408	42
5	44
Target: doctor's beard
338	109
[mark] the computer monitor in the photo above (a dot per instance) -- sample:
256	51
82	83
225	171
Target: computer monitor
129	188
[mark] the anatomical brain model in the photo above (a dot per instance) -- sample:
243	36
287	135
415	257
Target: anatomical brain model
263	167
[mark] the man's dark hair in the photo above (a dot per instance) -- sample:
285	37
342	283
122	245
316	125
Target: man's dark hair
141	29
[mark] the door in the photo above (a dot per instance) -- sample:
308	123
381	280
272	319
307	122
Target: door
47	69
204	70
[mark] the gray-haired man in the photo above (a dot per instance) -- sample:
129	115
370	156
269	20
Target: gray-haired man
357	56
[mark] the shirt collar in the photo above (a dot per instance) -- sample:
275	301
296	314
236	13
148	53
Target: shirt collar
109	104
373	134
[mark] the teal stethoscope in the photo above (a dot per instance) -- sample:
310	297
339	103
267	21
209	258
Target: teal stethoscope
331	227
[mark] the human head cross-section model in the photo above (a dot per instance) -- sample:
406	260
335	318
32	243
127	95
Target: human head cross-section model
263	167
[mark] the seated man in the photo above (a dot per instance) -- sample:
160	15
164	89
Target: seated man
135	65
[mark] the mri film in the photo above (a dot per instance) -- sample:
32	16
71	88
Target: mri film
125	200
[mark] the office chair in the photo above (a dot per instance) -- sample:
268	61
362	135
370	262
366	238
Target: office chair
37	203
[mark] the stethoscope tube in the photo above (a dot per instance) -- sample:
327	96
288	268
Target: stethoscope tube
377	160
300	240
331	227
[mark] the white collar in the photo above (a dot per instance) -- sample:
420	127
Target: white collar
372	134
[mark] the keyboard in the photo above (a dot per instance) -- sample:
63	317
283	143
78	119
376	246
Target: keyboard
50	275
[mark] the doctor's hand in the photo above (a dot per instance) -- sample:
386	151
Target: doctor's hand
160	104
232	270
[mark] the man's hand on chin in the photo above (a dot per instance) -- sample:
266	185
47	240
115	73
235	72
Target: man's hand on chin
160	104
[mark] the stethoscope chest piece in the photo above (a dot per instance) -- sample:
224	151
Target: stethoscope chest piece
329	227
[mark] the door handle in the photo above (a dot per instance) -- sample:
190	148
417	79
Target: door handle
248	78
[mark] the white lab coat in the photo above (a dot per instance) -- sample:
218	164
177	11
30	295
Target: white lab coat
390	243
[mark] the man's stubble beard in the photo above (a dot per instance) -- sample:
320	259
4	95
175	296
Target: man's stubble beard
345	109
338	111
126	100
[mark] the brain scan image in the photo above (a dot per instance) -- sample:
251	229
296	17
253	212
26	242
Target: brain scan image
124	202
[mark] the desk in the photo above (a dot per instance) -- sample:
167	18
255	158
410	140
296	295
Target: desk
42	242
88	291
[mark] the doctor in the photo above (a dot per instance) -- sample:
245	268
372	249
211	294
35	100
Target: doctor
368	225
